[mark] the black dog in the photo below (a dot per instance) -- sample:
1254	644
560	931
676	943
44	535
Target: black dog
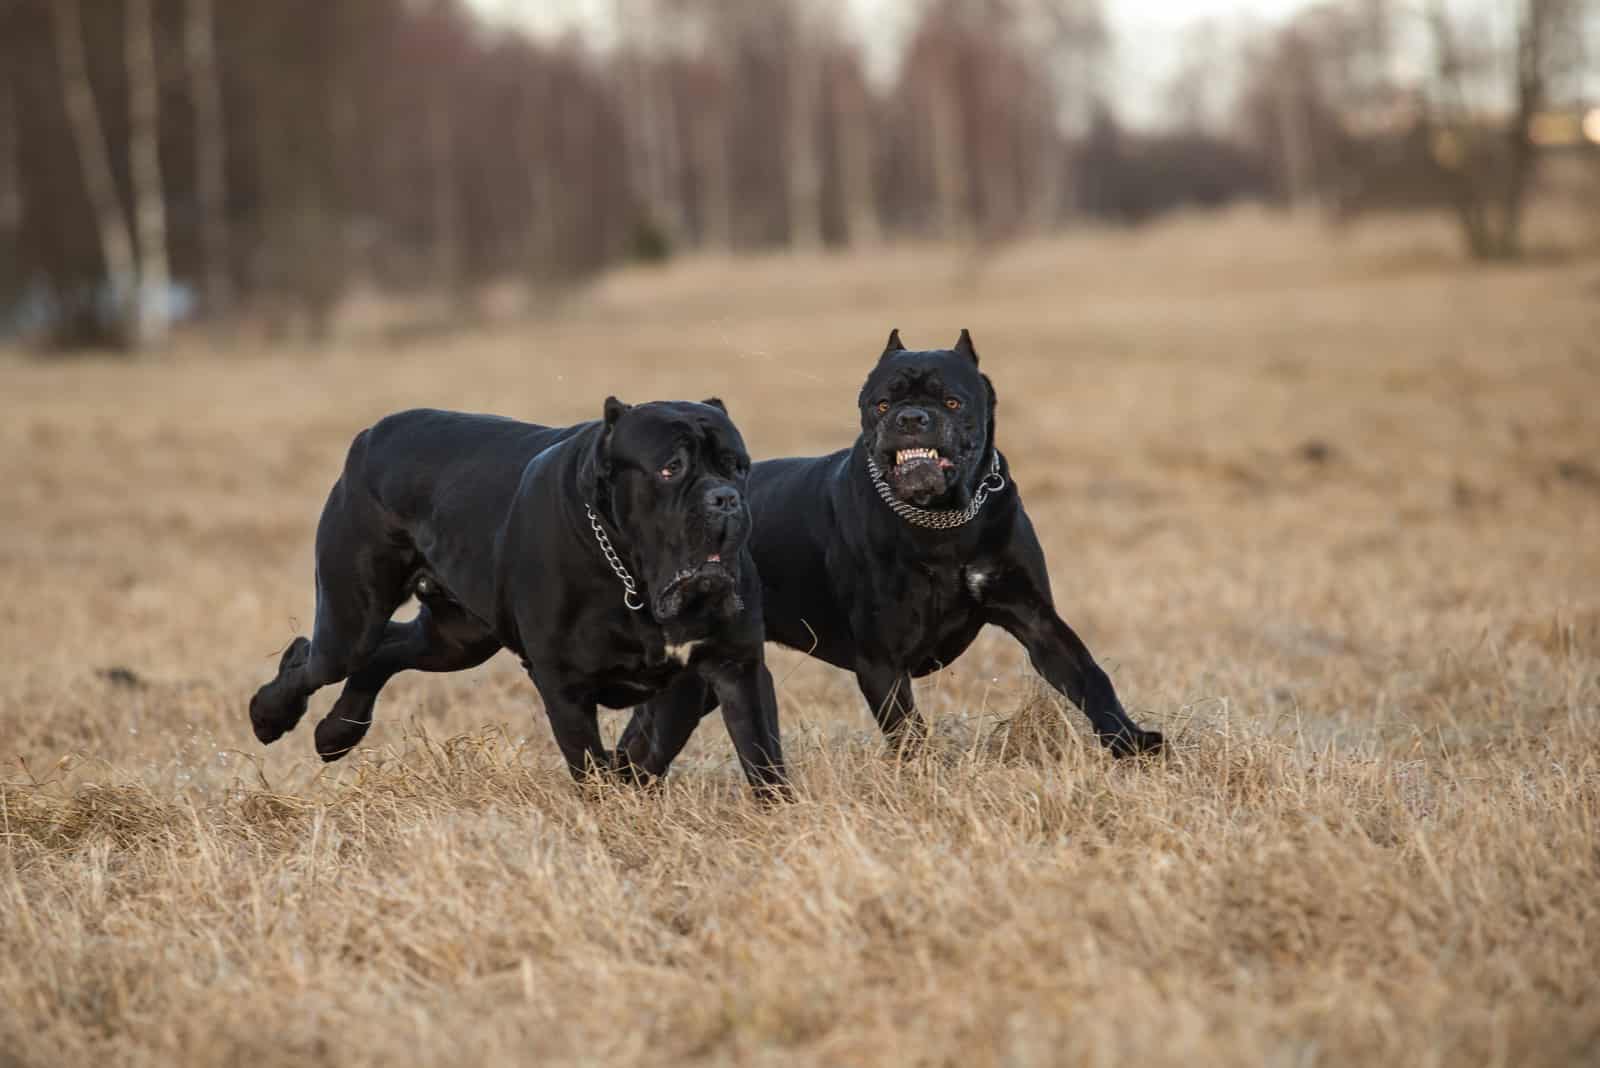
888	557
610	557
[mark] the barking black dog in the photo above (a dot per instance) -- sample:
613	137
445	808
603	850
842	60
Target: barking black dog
611	557
888	557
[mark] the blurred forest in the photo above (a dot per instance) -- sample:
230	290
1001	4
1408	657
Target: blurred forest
251	164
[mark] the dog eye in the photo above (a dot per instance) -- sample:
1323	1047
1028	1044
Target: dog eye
672	470
953	404
883	406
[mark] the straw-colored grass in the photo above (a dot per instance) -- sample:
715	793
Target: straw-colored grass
1328	512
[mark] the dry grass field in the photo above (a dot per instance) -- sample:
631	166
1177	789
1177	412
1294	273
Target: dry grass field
1327	510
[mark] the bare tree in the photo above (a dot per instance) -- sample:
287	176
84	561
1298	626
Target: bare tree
11	259
1074	43
710	150
649	117
1489	171
210	155
949	157
94	160
1293	90
804	156
1192	96
144	170
541	100
10	171
445	216
852	104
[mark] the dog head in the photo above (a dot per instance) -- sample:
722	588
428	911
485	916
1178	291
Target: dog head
927	420
673	476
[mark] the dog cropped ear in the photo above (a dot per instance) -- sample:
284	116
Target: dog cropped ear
994	402
716	402
614	410
601	460
964	347
892	346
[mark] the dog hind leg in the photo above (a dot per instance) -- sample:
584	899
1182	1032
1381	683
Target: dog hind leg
361	579
661	728
441	638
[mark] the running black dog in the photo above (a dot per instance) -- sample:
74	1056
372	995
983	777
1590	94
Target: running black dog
611	557
887	558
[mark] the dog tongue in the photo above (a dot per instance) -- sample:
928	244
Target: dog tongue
714	558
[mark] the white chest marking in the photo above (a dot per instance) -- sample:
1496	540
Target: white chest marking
977	578
682	651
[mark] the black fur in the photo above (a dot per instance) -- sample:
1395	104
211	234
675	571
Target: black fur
849	581
484	520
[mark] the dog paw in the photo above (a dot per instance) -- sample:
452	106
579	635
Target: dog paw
342	729
273	713
271	717
625	769
908	741
776	792
1138	743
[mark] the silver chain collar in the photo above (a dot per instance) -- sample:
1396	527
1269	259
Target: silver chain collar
947	519
630	593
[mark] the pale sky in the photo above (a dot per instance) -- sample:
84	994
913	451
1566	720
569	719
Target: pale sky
1147	34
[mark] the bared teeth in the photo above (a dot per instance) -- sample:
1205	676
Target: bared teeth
915	454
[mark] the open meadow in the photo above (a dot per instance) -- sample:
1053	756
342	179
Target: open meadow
1326	508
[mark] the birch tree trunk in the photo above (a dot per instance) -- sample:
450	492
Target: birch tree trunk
100	186
1537	27
144	171
805	168
864	230
537	115
210	154
446	219
648	121
1290	114
666	178
949	163
12	269
10	172
716	185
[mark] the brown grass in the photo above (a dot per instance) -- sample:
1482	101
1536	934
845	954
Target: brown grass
1330	514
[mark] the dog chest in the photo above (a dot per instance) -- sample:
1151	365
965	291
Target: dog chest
680	652
925	613
977	578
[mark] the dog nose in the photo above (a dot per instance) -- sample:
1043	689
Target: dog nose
722	500
911	420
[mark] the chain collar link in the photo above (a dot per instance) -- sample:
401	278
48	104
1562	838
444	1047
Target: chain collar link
948	519
630	593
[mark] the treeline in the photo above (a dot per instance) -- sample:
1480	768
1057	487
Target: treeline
259	161
263	158
301	145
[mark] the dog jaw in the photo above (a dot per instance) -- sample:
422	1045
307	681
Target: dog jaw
919	474
707	590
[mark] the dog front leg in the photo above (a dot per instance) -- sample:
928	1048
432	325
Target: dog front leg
576	726
659	729
1061	657
888	693
749	709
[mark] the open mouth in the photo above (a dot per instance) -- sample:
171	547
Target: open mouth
905	457
708	585
920	474
712	569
